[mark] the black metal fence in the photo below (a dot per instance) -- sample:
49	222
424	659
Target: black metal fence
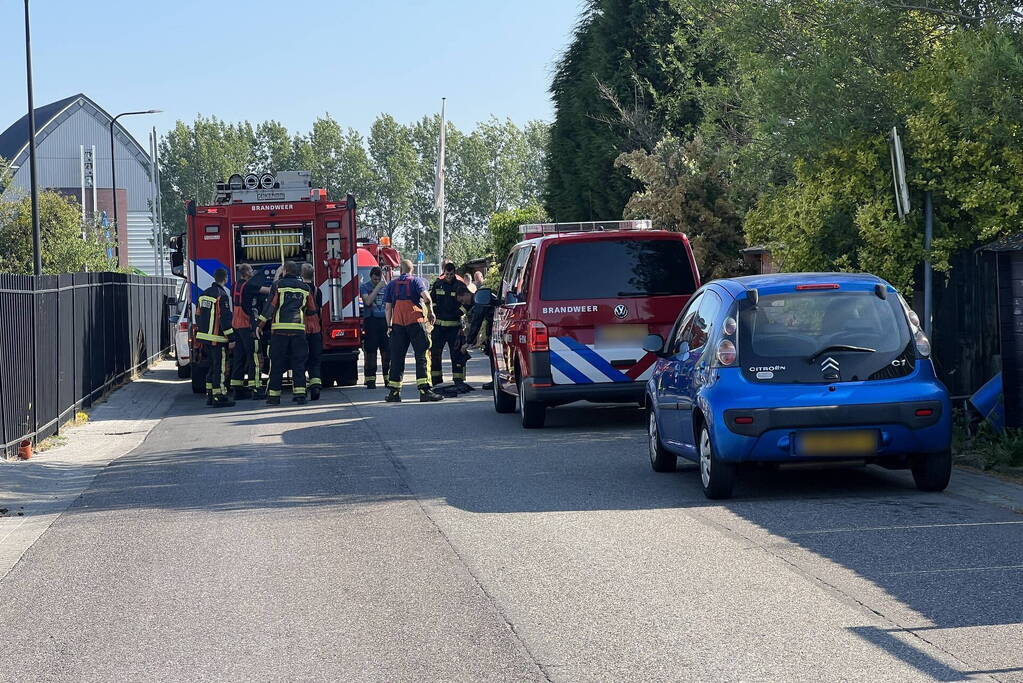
67	339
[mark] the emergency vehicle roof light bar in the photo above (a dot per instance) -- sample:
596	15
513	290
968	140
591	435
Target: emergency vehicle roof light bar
591	226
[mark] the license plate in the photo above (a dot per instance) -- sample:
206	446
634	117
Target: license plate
610	336
837	443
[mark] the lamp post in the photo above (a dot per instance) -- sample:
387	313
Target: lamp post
36	239
113	170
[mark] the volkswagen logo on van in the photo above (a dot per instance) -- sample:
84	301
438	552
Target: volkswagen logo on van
621	311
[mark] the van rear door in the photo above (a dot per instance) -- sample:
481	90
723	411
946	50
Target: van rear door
599	297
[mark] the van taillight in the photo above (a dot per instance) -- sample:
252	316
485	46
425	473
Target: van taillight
538	340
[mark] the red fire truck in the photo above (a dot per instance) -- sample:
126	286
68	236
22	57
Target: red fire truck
264	220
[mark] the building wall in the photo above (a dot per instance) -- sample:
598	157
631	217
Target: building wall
58	152
60	163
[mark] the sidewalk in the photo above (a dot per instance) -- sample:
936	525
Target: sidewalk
37	491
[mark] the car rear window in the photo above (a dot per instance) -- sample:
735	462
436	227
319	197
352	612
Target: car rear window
610	269
799	324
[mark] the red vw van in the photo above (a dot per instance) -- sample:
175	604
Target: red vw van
577	301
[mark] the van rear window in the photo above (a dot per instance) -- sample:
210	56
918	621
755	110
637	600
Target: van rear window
612	269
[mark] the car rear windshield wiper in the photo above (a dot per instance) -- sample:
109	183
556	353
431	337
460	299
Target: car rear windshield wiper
839	347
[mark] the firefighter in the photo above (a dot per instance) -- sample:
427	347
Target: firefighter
481	320
374	327
290	301
443	292
313	334
245	360
460	348
406	309
216	335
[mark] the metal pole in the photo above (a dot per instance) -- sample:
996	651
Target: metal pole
159	204
928	236
113	176
113	190
152	186
440	175
36	237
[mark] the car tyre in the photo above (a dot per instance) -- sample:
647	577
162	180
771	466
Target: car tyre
503	403
533	413
716	476
660	459
932	471
184	371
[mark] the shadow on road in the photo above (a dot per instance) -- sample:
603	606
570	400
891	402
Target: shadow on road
951	562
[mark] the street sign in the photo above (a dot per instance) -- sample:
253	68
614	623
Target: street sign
420	257
899	174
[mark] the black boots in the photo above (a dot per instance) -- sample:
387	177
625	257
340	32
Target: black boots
273	400
222	401
393	396
427	395
300	399
314	392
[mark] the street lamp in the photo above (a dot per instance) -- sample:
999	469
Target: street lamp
36	246
113	168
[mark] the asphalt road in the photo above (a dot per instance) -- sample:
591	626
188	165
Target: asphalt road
356	540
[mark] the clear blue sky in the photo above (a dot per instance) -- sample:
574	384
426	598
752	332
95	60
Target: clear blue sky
291	60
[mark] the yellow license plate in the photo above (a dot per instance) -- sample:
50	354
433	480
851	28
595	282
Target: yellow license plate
859	442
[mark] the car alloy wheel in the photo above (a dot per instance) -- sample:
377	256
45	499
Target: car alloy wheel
705	458
661	460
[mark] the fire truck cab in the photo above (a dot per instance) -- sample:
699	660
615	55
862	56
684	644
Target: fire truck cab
265	220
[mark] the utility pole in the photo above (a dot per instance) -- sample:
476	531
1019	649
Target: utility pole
36	238
928	237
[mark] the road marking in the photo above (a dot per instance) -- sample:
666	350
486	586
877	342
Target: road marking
898	528
954	570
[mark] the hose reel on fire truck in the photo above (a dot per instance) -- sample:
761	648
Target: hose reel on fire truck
275	244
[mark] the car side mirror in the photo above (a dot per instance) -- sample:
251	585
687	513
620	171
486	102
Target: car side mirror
654	343
483	297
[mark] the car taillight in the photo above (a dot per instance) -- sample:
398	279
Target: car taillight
726	352
730	326
923	344
744	420
538	340
816	286
924	412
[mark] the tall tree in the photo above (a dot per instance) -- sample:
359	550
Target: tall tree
630	73
393	162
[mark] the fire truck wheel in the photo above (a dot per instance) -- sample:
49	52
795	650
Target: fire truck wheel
349	375
198	379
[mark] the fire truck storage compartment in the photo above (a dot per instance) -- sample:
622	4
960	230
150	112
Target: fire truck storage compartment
273	243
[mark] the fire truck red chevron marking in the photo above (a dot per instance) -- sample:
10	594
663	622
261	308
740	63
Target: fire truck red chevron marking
639	368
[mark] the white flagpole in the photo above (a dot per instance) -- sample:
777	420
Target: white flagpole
438	188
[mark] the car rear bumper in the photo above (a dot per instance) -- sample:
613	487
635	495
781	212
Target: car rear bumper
772	435
543	390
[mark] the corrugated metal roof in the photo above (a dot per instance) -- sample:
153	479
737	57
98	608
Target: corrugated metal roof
15	138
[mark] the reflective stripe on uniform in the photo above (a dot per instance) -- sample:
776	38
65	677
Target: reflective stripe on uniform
448	323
